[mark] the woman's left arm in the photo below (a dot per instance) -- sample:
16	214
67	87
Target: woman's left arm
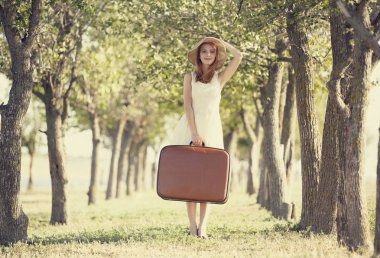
226	75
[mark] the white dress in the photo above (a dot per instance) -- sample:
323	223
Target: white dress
206	99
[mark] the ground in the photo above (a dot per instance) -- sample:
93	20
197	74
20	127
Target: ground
143	225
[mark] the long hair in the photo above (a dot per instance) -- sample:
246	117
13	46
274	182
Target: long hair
199	75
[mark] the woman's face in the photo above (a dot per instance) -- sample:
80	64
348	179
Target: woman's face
207	54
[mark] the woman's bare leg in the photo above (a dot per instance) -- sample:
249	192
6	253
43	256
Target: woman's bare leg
204	211
191	213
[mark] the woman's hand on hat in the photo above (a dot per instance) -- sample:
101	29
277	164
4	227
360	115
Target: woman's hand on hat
196	140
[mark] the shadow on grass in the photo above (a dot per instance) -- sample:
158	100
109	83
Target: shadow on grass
112	235
176	233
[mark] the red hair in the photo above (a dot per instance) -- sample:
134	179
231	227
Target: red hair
199	75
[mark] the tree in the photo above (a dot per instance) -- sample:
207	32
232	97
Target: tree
59	47
309	133
377	223
31	138
20	22
125	145
270	98
325	212
289	127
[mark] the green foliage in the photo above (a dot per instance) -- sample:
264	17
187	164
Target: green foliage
135	52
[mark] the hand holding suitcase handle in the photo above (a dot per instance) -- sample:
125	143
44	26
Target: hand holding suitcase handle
191	144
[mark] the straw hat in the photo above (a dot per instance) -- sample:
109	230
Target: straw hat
192	55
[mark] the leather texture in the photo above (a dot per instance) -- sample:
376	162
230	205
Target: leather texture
193	173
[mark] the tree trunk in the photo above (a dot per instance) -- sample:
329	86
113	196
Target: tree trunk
309	133
137	165
327	189
272	151
255	139
281	107
341	220
55	140
377	223
131	164
116	141
288	137
30	181
95	129
13	221
142	159
250	173
357	232
231	145
263	194
153	175
126	140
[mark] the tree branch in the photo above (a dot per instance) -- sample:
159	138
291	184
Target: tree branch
11	35
239	10
247	127
3	108
45	132
359	28
34	20
39	95
258	111
334	86
375	17
67	94
256	63
285	59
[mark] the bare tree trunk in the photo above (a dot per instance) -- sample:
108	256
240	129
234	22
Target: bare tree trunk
13	221
377	223
116	141
95	129
255	139
231	145
263	194
138	164
341	220
153	175
131	164
281	109
356	210
142	157
331	153
56	158
250	172
272	151
352	221
288	137
309	133
125	143
30	181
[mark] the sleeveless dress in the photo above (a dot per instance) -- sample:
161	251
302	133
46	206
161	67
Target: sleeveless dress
206	99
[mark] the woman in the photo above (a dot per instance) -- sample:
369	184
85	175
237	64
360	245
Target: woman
201	122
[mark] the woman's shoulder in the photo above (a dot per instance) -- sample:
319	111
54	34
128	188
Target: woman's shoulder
188	75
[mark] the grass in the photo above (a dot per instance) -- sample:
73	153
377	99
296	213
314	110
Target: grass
143	225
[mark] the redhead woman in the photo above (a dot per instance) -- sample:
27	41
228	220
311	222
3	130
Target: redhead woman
201	122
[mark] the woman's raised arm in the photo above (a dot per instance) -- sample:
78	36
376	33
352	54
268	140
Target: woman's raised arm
226	75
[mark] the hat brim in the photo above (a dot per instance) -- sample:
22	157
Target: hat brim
221	58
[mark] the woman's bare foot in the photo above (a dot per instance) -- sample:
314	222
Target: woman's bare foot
193	231
202	233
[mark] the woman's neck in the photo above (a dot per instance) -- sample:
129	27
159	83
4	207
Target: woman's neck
205	68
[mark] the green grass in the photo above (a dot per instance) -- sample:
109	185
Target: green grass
143	225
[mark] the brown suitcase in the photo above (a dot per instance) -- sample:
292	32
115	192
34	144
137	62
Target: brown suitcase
190	173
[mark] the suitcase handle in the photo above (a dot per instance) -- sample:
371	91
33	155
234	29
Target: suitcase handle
203	144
